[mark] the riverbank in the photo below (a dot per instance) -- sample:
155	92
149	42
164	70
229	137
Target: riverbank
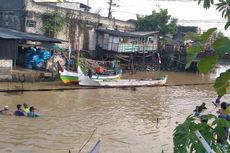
35	86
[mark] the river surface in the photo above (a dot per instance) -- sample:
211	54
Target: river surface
124	120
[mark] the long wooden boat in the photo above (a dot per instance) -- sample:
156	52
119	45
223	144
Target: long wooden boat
69	77
86	81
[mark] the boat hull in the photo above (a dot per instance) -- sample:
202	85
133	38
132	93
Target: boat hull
121	83
69	77
86	81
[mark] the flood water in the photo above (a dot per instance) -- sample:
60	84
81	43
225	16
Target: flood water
125	120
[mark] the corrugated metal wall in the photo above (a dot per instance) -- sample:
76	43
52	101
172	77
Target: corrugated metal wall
8	49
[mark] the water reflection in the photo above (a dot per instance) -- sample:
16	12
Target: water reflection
218	70
126	120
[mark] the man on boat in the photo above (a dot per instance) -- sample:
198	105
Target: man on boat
90	73
5	111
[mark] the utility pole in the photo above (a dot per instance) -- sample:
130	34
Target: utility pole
87	2
110	6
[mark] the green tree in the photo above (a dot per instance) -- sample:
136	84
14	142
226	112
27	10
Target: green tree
222	6
158	21
53	23
184	138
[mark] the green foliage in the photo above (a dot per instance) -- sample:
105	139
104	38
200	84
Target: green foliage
221	6
220	46
207	3
207	64
53	23
157	21
192	54
221	83
185	140
207	35
167	60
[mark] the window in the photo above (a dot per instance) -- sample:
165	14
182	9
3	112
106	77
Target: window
31	23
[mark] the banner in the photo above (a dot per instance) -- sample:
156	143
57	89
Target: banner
48	1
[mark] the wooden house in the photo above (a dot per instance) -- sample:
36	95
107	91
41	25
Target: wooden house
132	47
127	42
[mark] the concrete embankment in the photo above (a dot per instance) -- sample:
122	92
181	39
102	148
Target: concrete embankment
37	86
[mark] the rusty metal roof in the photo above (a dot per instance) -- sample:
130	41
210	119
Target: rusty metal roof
144	33
14	34
118	33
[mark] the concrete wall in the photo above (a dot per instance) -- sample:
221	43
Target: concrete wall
7	63
5	69
19	13
86	16
12	14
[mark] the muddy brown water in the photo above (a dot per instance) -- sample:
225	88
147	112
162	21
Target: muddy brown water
125	120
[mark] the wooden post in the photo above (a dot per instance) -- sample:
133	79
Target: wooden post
129	65
152	59
132	66
143	55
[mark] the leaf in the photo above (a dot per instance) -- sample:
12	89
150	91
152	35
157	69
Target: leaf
206	64
221	46
221	83
195	49
220	42
188	64
206	35
227	25
192	54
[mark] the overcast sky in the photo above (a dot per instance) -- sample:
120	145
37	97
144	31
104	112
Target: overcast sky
188	12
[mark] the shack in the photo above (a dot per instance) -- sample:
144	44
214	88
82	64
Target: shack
10	40
134	48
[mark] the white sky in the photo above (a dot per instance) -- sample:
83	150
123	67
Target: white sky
188	12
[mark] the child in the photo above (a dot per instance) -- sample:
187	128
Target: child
224	111
25	108
19	111
32	113
199	109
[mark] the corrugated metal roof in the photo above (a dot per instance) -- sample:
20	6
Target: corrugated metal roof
14	34
144	33
118	33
